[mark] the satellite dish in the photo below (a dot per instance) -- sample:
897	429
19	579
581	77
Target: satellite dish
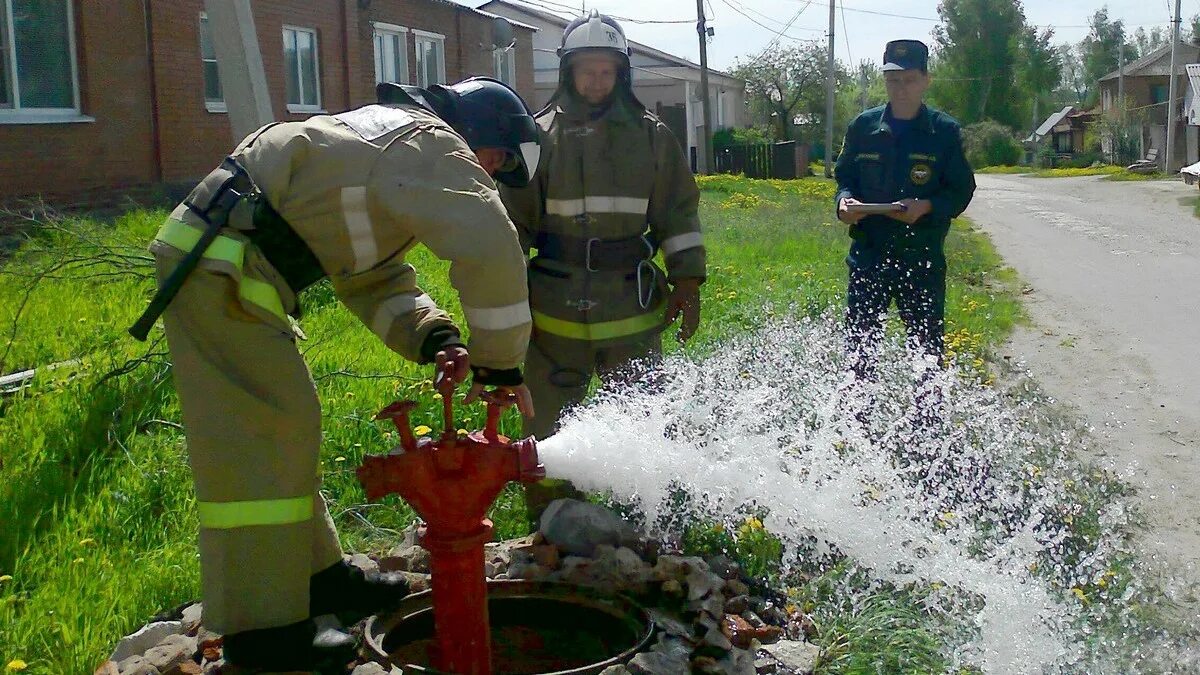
503	36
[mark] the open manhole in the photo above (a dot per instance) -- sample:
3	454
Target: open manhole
538	628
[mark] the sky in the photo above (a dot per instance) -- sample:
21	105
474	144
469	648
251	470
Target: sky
745	27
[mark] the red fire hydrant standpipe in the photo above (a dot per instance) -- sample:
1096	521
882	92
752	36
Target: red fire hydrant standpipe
451	483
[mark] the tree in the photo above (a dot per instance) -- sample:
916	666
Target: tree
1147	42
1040	67
783	83
978	43
1101	51
1194	31
1074	87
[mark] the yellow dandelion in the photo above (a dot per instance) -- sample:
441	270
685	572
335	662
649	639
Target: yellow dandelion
339	458
1078	592
5	577
422	430
15	666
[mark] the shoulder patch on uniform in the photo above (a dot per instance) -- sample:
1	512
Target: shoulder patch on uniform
867	156
922	158
374	121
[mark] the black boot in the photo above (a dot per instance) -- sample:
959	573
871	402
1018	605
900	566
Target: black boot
297	646
352	594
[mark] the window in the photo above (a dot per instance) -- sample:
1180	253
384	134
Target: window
431	58
301	69
38	75
1159	93
214	98
505	62
391	53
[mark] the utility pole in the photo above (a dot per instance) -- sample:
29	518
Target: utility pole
1171	91
240	65
830	78
862	77
1116	142
705	143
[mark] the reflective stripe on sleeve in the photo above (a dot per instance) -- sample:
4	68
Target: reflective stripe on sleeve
498	318
597	204
228	515
606	330
682	242
395	307
359	228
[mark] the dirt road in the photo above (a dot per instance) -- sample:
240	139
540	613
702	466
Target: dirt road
1114	271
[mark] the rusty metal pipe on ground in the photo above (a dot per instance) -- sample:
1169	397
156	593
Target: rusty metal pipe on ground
451	482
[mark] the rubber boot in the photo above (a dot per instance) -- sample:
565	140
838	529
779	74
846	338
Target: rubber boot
352	594
296	647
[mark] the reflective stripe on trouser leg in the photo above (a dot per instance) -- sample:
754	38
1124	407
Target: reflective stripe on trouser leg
252	421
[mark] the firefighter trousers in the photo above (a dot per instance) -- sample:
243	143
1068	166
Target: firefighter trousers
253	427
558	372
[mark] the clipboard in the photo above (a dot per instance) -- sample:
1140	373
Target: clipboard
875	208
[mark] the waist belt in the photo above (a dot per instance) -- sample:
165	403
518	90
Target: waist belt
595	254
212	201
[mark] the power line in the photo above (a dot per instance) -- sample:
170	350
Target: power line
778	33
846	32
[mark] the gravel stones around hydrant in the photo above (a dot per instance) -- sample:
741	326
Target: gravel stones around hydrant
708	618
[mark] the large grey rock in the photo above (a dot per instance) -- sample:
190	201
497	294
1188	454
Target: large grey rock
406	559
670	625
657	663
799	656
171	652
137	665
576	527
618	669
139	642
193	616
677	568
738	662
363	561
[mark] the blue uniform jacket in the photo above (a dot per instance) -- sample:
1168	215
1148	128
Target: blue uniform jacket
926	163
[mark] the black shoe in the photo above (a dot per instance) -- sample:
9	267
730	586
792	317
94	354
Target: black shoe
298	646
352	594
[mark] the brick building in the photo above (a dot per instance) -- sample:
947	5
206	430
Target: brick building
108	96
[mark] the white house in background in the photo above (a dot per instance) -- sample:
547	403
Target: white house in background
668	85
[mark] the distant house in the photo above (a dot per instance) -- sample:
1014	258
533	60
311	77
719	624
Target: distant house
100	98
1147	88
667	84
1064	132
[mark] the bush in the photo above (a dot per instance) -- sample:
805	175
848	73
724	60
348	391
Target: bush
724	138
989	143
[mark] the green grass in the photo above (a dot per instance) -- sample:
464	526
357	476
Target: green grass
1128	176
1074	173
96	505
1005	169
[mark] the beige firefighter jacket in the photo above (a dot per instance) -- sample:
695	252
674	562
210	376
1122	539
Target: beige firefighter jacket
617	177
362	189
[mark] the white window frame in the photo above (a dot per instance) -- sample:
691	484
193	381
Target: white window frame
509	55
19	115
304	107
392	30
210	106
418	37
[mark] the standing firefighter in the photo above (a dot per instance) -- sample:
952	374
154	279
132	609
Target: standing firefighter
613	190
344	197
910	154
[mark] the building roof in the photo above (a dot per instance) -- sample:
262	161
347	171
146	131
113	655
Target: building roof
1153	64
474	10
638	47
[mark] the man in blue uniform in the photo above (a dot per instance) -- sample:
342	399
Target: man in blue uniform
910	155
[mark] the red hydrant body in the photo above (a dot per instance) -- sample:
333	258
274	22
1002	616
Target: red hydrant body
451	483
